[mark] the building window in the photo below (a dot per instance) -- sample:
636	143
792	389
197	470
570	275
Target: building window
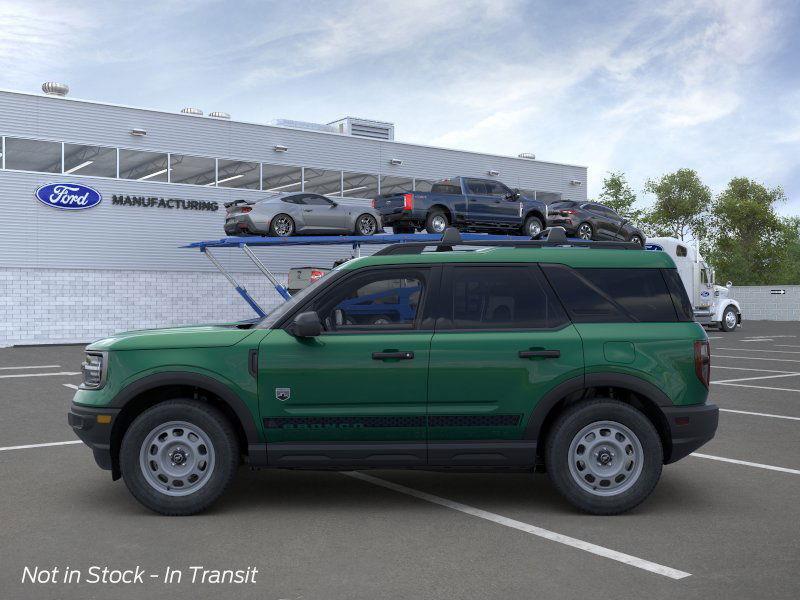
237	174
97	161
423	185
320	181
280	178
396	185
144	166
33	155
194	170
359	185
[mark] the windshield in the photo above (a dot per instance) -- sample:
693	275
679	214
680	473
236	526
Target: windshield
282	309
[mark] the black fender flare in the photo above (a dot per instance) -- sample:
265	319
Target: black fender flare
216	387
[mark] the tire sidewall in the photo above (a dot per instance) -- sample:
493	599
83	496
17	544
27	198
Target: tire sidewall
429	221
576	418
526	228
591	230
221	435
374	220
272	231
724	323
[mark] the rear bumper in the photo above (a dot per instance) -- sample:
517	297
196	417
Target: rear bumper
244	225
97	436
690	427
567	224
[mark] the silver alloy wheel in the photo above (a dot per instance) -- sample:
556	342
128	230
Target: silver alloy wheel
605	458
283	226
534	227
585	231
636	240
439	223
177	458
367	225
730	319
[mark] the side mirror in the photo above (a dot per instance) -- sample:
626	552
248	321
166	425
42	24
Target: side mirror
729	285
334	204
306	325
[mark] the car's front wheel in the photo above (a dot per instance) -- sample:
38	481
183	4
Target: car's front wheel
366	225
729	320
636	239
533	227
585	231
604	456
179	456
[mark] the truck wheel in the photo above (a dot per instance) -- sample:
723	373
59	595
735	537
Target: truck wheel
533	226
604	456
437	221
281	226
729	319
179	456
366	225
585	231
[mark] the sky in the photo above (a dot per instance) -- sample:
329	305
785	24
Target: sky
639	87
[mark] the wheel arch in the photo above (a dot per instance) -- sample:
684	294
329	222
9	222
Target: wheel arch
153	389
535	212
444	208
632	390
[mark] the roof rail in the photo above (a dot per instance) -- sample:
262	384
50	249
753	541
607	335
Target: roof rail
550	237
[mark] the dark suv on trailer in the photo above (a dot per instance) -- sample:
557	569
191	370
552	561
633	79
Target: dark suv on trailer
583	359
592	221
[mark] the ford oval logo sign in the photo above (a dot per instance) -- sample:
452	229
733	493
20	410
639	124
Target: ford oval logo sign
68	196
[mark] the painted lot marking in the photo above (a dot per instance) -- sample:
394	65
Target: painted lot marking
746	358
750	369
525	527
40	374
747	463
759	377
759	350
71	386
786	346
757	414
45	445
758	387
31	367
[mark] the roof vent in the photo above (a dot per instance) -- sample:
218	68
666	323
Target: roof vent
192	111
219	115
527	155
377	130
51	88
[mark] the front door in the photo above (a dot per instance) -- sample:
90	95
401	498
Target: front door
324	215
501	343
355	395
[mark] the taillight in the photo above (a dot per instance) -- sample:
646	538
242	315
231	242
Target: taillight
315	274
373	203
408	201
702	361
568	212
246	209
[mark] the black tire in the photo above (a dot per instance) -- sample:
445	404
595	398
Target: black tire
224	449
275	226
434	220
726	319
636	239
582	229
359	228
531	223
403	229
565	431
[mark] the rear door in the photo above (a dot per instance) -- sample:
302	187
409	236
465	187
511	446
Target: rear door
502	342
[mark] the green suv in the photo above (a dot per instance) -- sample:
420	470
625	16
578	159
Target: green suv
582	360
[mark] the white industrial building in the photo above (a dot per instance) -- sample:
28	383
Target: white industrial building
75	275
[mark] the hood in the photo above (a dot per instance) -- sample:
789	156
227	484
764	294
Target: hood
196	336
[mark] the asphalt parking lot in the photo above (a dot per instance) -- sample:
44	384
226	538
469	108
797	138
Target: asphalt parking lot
724	523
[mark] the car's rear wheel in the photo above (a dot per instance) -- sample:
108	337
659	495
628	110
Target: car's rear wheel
533	226
179	456
729	319
636	239
366	225
585	231
604	456
281	226
437	221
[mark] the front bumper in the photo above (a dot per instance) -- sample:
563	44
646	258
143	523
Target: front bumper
690	427
94	432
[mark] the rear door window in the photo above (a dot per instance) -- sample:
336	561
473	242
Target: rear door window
477	187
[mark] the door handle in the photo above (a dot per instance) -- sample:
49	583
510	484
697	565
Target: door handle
405	355
539	353
308	210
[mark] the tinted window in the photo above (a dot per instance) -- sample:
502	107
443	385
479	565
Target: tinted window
382	300
495	188
476	186
294	199
563	204
446	187
681	250
317	200
680	299
494	297
584	301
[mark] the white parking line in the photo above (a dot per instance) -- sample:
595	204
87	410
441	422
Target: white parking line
525	527
759	377
31	367
750	369
747	463
787	346
71	386
759	350
39	374
758	387
756	358
756	414
25	447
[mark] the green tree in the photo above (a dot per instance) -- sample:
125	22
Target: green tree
618	195
681	205
751	244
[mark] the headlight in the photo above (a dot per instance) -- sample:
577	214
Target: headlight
94	370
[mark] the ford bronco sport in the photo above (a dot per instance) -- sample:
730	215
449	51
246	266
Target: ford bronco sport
581	358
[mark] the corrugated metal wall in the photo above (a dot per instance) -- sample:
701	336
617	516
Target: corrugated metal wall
125	237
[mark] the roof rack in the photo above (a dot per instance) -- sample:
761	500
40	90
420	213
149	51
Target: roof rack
550	237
